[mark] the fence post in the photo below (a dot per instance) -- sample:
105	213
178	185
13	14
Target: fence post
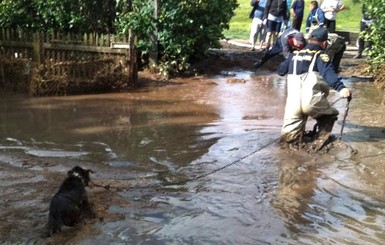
133	66
37	47
2	75
153	58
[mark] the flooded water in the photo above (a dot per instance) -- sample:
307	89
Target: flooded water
193	163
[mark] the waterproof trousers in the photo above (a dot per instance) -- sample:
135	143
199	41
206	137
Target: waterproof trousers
306	96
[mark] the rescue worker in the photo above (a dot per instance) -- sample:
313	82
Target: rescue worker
316	17
310	74
290	40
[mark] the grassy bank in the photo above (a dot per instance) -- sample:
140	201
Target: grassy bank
347	20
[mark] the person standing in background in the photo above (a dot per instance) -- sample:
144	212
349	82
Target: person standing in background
366	21
257	27
316	17
331	8
287	24
275	14
296	11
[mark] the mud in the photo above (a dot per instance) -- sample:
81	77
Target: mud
194	160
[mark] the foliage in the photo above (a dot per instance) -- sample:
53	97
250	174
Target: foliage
63	15
185	29
377	35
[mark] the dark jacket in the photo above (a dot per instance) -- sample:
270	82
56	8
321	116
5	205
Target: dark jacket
322	65
298	7
276	8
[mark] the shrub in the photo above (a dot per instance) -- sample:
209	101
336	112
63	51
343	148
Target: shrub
184	29
377	34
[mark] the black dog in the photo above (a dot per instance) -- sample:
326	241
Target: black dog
70	203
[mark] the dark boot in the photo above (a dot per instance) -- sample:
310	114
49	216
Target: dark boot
310	136
257	65
325	126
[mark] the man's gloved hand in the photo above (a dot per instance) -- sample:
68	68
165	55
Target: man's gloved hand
345	93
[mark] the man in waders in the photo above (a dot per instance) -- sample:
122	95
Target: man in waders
310	74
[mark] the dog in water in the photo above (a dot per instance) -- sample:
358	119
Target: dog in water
70	203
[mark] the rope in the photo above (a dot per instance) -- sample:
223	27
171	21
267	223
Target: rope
157	185
234	162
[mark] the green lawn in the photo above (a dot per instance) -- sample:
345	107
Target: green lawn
347	20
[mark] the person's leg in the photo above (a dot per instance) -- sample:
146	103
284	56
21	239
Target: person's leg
370	45
293	128
332	26
294	121
263	35
320	109
367	30
253	32
338	56
276	29
259	33
328	24
272	30
297	21
268	34
325	126
267	40
361	41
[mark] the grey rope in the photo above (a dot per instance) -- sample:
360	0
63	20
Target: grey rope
234	162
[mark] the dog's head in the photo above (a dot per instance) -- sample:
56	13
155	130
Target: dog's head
81	173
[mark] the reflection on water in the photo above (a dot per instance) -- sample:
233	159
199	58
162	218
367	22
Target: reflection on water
175	133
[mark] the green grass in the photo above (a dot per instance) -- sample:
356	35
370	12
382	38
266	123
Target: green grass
347	20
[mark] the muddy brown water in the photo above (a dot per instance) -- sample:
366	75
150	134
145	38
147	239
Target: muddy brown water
192	163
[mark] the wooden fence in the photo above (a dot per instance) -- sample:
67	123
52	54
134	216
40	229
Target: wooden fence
67	58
